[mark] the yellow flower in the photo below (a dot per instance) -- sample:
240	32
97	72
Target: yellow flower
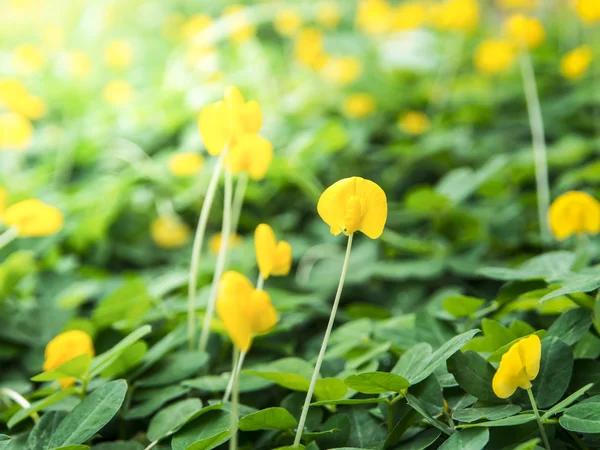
28	58
357	106
118	54
33	218
374	16
575	63
328	15
526	5
343	70
574	212
79	63
185	164
518	367
409	15
225	121
118	92
273	258
525	31
195	25
494	56
3	200
65	347
252	154
413	122
456	15
214	244
589	10
16	132
244	311
354	204
287	21
241	30
169	232
309	49
15	97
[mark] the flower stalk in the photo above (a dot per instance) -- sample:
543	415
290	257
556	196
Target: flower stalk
8	236
233	443
538	419
321	356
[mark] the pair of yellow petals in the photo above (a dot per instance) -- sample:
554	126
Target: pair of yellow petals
574	212
235	123
65	347
33	218
244	310
273	258
518	367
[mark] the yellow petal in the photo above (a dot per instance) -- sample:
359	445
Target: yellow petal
283	259
261	312
374	207
252	117
33	218
530	350
213	127
185	164
67	346
572	213
252	154
235	291
265	246
503	385
332	204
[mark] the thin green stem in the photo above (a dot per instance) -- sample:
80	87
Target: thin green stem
390	421
238	201
536	123
538	419
260	283
84	384
235	372
19	400
233	443
221	262
447	71
8	236
197	247
152	445
315	374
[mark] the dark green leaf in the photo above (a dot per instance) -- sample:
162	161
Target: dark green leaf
472	439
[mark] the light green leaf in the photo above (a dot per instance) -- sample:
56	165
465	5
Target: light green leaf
490	413
75	367
506	422
172	418
267	419
571	326
102	361
583	417
377	383
127	304
422	409
581	283
23	414
462	305
173	368
208	431
472	439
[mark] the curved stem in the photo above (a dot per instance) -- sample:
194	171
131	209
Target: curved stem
233	443
538	419
235	372
238	201
197	248
152	445
315	374
260	283
536	124
221	261
19	400
8	236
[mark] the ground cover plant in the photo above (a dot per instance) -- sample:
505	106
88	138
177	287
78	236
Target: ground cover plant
299	225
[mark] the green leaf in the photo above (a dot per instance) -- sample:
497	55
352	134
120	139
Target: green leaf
410	362
153	399
571	326
473	374
208	431
268	419
126	361
90	415
173	368
472	439
422	409
351	401
118	445
581	283
583	417
104	360
172	418
127	304
545	266
325	388
75	367
422	440
555	372
167	344
462	305
377	383
43	430
567	401
506	422
23	414
330	389
490	413
339	422
73	447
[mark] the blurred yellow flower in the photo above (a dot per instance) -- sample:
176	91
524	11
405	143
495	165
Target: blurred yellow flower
409	15
574	212
241	30
173	26
273	258
3	200
118	92
413	122
287	21
328	15
16	132
494	56
15	97
65	347
589	10
185	164
195	25
224	122
374	16
28	58
526	5
79	64
354	204
198	53
309	48
33	218
244	311
53	37
519	366
118	54
343	70
251	154
525	31
456	15
214	244
576	63
358	106
169	232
